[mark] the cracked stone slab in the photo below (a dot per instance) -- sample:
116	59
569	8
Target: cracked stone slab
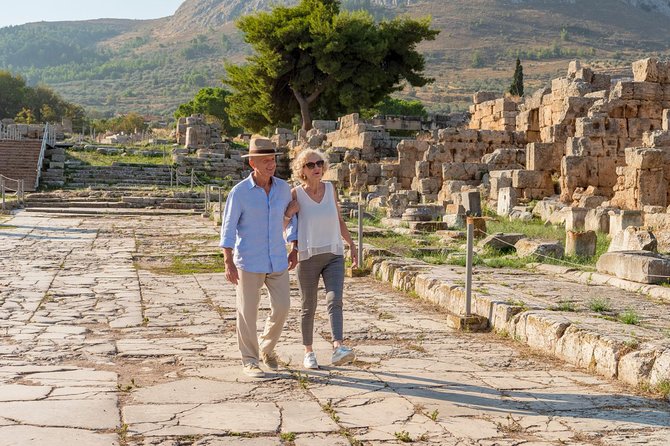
191	390
199	419
33	435
84	414
302	416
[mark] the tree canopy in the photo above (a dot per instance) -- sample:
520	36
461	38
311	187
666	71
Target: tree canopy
396	107
313	59
33	104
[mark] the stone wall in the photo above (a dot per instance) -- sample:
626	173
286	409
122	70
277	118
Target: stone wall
194	132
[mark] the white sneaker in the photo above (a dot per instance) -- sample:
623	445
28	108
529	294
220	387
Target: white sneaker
343	355
253	370
310	361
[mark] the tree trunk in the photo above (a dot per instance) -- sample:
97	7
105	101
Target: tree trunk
305	102
305	113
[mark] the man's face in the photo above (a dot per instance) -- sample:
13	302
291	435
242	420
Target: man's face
263	165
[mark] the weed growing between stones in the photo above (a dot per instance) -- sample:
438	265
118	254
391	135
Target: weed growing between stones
600	305
564	306
287	436
663	388
629	317
127	387
434	414
330	410
403	436
513	425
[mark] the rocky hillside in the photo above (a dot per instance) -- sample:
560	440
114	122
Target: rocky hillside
152	66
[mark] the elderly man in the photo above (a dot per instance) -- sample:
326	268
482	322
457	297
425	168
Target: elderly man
256	213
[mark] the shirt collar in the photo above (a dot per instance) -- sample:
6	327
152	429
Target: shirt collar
252	183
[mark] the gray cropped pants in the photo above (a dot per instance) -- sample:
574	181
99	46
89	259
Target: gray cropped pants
331	268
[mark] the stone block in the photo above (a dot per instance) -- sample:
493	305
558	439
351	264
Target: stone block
597	220
496	184
472	203
507	199
633	238
643	158
660	372
646	70
620	220
575	219
622	90
422	169
656	138
539	329
634	367
585	347
501	241
541	156
484	96
637	266
470	324
652	188
479	226
666	116
582	244
590	126
463	171
539	248
530	179
647	91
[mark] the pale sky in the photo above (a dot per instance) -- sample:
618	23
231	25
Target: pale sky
18	12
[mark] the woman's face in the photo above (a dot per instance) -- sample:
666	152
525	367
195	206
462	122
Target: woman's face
313	166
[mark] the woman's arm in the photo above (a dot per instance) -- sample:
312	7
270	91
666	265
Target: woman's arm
344	232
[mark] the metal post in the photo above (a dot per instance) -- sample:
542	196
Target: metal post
468	268
220	205
207	198
360	230
192	179
22	197
2	192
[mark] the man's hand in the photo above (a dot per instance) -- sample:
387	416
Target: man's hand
231	270
231	273
292	259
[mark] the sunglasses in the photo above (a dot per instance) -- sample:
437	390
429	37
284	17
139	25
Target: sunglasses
312	165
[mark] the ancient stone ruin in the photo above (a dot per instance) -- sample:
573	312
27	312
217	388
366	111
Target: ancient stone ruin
588	150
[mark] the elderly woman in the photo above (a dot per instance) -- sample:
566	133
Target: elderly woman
320	252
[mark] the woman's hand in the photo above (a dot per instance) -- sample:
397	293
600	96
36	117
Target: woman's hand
354	256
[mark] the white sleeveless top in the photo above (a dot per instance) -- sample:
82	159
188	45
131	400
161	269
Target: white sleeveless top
318	225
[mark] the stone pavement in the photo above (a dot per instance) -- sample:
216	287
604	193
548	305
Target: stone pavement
96	349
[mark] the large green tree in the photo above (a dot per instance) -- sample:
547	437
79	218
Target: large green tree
34	104
12	94
313	59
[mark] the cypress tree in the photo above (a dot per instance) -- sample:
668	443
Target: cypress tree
516	88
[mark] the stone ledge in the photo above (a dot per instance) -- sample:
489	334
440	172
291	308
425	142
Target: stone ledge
656	291
593	344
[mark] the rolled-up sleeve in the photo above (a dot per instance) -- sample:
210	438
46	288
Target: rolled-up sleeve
292	229
231	216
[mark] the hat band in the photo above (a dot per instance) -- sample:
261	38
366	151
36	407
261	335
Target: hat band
262	152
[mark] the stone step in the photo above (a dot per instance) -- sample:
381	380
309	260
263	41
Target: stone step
76	204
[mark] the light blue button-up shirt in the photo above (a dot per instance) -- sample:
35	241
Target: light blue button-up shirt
253	224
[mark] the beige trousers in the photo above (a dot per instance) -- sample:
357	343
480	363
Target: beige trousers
248	298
